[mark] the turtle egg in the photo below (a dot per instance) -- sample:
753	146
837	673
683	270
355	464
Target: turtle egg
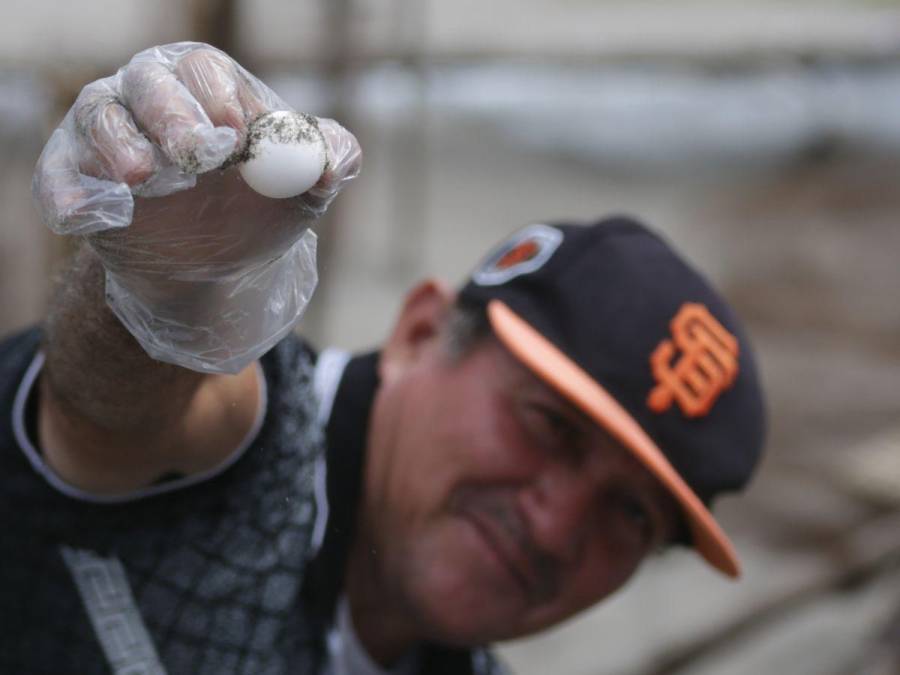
285	154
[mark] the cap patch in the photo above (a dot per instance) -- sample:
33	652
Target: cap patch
706	367
524	252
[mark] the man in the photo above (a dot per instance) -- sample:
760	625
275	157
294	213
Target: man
509	456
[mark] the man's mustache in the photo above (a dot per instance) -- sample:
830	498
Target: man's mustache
541	576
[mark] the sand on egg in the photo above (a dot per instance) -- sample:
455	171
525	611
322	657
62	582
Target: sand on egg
284	155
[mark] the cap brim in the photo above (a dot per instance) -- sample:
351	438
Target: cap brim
564	375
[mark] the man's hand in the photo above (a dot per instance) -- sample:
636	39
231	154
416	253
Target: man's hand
202	270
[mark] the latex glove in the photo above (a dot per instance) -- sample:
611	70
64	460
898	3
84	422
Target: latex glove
202	270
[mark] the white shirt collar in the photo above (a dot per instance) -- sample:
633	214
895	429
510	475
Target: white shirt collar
36	457
348	656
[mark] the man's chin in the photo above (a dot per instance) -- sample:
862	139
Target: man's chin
468	612
471	630
477	631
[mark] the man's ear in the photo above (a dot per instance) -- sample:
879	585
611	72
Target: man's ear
417	326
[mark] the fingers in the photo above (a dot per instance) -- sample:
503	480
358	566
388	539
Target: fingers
82	178
211	78
229	95
114	148
171	113
344	155
173	119
343	163
70	202
125	152
193	101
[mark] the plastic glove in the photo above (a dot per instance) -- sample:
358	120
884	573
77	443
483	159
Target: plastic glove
202	270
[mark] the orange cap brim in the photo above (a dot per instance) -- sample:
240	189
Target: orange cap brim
564	375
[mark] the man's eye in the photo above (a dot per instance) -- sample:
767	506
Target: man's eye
557	423
552	428
636	514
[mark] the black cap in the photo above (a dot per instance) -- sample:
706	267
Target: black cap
613	318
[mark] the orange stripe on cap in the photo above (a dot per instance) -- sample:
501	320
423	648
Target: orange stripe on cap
564	375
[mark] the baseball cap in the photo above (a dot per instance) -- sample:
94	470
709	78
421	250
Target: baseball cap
610	316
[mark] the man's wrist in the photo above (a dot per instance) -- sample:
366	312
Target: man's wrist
95	368
201	320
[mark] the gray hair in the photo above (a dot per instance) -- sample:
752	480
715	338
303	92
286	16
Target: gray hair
464	328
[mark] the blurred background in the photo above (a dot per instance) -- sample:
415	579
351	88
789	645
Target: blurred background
762	138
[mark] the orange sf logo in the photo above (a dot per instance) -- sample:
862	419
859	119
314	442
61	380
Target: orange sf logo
707	367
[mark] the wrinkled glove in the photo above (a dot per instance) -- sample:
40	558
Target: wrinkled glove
203	271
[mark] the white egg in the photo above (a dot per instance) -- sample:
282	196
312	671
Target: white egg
285	154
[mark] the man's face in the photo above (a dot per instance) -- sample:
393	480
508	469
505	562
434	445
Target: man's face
493	508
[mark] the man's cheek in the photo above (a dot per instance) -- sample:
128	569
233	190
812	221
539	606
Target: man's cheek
595	580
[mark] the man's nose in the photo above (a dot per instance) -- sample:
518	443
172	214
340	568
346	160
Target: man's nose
557	504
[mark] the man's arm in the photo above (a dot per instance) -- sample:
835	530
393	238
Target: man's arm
198	270
111	419
97	371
